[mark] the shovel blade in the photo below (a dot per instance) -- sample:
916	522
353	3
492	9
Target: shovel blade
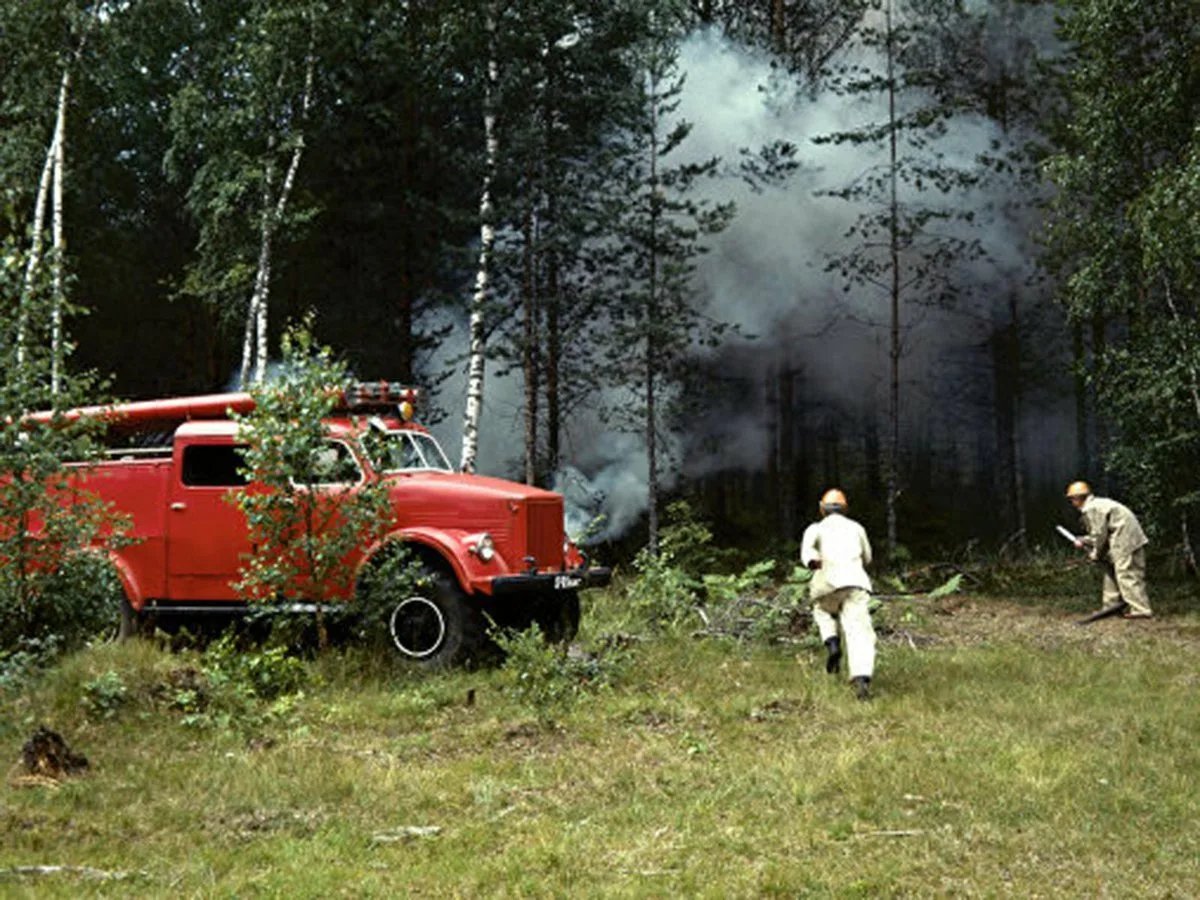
1119	607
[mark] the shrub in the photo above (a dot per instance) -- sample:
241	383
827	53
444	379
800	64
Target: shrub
550	680
105	694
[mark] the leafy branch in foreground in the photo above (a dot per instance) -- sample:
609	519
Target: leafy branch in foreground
54	531
307	507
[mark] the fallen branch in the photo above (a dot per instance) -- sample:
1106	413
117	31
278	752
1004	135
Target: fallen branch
907	833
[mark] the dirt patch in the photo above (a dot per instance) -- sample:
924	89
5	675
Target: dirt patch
966	620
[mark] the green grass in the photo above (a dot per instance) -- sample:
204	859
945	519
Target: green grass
1007	752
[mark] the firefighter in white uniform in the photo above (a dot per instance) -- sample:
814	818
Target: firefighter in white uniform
837	550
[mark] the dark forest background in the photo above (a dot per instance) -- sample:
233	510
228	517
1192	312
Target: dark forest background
942	254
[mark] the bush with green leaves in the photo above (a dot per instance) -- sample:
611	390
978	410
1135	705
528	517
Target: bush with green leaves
394	573
105	694
49	519
238	687
303	520
668	585
549	679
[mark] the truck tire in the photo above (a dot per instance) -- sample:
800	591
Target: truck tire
128	620
436	626
559	619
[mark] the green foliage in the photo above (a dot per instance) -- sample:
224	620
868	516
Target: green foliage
53	592
1124	234
550	680
663	595
105	694
668	584
950	586
678	587
305	509
236	687
394	573
232	137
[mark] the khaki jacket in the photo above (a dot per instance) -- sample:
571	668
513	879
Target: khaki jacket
1113	530
842	547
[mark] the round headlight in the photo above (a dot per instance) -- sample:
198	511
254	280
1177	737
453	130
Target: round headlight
484	548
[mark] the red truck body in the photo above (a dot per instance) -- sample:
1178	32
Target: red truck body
496	546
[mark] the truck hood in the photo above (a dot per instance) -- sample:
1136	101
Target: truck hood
464	486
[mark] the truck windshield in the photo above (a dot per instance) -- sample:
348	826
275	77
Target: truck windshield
400	451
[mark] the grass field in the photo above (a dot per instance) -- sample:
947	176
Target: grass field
1008	752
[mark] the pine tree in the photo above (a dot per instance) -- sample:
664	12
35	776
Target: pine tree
898	254
661	225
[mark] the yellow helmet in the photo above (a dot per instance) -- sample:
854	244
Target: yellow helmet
832	500
1078	489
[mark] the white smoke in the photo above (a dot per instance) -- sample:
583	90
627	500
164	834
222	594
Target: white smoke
765	273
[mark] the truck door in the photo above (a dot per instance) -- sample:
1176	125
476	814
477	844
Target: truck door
206	533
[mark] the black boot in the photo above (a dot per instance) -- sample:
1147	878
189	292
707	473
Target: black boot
834	646
862	687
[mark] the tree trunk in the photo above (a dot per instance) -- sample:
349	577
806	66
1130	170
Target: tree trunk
487	239
893	466
651	325
774	507
1083	458
49	175
257	319
60	248
1099	346
529	348
552	362
1018	457
778	26
1193	376
787	453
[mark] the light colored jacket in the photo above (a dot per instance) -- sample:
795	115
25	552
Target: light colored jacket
1113	530
842	547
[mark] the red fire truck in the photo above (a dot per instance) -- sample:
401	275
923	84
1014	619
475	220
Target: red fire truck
491	549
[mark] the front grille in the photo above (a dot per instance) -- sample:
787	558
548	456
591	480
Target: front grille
544	530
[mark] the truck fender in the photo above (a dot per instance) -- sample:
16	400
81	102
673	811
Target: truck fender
129	583
449	550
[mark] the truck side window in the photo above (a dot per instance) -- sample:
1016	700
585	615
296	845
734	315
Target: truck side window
334	464
213	465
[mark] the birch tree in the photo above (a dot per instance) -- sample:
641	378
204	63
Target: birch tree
477	359
238	140
50	197
1126	241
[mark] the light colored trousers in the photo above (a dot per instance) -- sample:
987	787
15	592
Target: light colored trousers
849	606
1125	579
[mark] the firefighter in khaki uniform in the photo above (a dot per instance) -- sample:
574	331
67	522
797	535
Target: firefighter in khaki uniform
1115	540
837	550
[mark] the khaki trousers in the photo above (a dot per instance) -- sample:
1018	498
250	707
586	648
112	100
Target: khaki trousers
849	606
1125	579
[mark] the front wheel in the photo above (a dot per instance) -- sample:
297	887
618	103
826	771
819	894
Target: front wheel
436	625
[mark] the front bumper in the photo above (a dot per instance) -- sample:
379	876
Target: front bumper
552	582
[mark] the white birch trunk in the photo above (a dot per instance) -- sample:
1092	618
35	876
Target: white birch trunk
39	215
487	240
255	349
60	248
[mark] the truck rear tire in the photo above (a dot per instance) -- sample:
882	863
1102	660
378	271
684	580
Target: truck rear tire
436	626
128	620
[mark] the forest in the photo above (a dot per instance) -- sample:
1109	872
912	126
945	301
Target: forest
944	255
